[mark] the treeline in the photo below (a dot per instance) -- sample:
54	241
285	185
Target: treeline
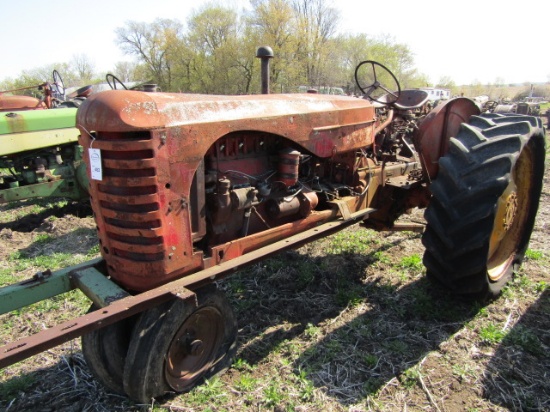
214	51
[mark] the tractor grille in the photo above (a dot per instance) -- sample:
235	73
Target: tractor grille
128	197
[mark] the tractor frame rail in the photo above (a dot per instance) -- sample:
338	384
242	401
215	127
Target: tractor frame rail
117	304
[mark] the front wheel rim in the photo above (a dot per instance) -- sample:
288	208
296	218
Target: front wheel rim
194	347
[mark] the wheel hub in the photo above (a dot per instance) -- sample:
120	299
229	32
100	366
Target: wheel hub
511	217
195	349
189	345
506	211
511	210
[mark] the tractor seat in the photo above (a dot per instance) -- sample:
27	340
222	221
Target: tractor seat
408	99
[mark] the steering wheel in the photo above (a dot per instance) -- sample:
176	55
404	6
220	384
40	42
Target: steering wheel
112	80
58	83
376	81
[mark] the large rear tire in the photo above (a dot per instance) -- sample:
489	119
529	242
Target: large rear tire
485	198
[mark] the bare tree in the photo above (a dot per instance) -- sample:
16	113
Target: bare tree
83	68
155	44
125	71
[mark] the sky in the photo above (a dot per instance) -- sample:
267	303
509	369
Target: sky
469	41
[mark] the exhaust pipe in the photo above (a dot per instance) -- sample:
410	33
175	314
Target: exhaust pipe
265	53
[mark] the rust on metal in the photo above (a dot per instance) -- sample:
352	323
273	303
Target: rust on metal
10	103
56	335
439	126
154	147
180	288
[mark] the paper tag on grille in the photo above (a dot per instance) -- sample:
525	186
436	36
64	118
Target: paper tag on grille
95	164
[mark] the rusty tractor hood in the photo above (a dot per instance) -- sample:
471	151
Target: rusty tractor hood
121	110
322	124
10	103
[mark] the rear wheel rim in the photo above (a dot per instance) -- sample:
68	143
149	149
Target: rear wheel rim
511	217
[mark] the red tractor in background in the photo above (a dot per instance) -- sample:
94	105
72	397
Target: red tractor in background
187	188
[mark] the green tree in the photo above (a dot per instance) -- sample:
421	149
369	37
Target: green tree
317	23
213	37
216	53
273	23
30	80
350	50
446	82
416	80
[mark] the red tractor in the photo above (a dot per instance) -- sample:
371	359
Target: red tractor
187	188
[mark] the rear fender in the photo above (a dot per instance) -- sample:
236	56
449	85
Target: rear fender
442	123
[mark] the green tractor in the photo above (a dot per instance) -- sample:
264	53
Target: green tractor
39	151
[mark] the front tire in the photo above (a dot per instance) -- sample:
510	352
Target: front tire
178	344
105	352
485	198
